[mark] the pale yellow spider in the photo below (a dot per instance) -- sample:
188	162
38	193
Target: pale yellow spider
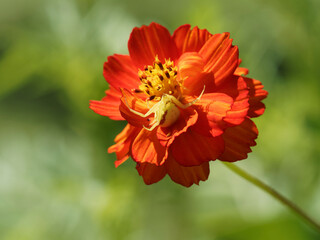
165	111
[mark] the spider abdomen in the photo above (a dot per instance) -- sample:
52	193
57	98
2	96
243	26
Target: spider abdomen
170	115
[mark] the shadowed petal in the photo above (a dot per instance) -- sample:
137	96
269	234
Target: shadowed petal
187	176
188	40
192	149
238	141
240	107
237	88
212	108
256	94
187	118
148	41
151	173
147	148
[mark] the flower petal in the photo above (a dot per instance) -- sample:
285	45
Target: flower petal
192	149
128	100
256	94
240	71
238	141
188	40
191	73
239	110
123	142
151	173
147	148
186	176
237	88
187	118
120	72
212	108
220	56
148	41
109	105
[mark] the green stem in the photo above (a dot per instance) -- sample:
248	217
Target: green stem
273	193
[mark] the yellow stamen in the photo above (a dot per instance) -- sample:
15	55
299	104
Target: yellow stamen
160	79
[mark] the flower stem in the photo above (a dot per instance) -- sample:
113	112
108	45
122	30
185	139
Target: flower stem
273	193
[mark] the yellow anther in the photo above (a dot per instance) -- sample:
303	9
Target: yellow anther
160	79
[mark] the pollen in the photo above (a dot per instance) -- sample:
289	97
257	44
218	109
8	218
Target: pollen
159	79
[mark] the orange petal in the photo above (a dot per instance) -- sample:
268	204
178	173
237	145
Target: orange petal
240	71
192	149
151	173
191	73
256	94
220	56
147	148
109	105
188	40
212	108
129	100
187	176
148	41
120	72
240	107
123	142
237	88
187	118
238	141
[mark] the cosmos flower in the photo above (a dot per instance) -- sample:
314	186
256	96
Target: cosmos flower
186	102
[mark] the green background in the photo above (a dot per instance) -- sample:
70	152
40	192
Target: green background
57	180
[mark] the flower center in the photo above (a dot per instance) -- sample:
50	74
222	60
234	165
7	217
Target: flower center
160	83
160	79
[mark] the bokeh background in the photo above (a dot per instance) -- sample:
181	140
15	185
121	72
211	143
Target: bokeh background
57	180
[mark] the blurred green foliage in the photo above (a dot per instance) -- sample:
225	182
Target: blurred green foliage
57	180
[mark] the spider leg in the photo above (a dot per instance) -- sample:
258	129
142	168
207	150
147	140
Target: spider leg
151	110
180	105
153	127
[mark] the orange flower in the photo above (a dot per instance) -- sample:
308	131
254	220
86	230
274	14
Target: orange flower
186	101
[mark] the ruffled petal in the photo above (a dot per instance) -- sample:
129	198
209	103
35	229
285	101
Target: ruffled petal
186	176
220	57
128	100
193	149
256	94
188	40
120	72
191	73
147	148
239	109
212	108
123	142
237	88
109	105
148	41
151	173
238	141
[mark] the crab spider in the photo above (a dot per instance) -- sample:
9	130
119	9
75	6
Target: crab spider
165	111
